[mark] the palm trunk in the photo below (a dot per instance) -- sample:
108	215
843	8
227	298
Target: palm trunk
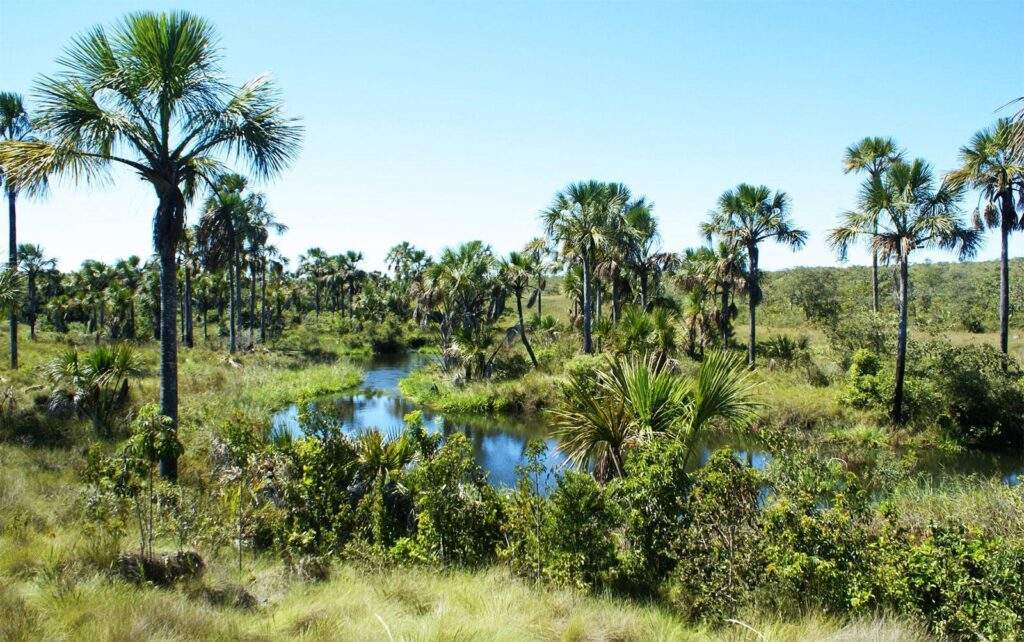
755	295
723	317
232	307
901	343
33	305
874	272
522	329
643	290
588	346
187	308
1009	214
615	298
168	218
12	265
252	301
263	302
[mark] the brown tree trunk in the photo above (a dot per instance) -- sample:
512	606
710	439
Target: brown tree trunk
522	329
12	265
170	214
755	296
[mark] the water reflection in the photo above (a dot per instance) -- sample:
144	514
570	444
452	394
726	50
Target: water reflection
499	443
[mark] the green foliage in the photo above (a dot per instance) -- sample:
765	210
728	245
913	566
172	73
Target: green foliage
652	496
973	392
458	514
95	384
581	521
319	515
718	547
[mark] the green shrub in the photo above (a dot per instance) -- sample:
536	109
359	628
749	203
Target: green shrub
653	496
582	519
718	550
458	514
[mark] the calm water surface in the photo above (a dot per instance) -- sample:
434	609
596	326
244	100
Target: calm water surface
499	443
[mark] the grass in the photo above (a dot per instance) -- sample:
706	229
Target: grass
433	389
54	582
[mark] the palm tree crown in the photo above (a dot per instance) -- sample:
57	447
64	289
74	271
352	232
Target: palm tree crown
148	94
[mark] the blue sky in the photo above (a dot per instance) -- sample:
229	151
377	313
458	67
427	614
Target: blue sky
443	122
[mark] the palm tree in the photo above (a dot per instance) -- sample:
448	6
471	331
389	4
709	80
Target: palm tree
747	216
912	213
514	272
538	250
129	275
222	231
871	155
581	221
314	264
639	397
989	165
14	126
33	262
149	95
10	291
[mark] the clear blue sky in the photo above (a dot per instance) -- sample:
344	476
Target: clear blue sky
442	122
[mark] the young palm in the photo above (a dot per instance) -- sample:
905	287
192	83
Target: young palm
637	398
871	155
989	165
33	262
514	272
912	214
581	220
148	94
746	217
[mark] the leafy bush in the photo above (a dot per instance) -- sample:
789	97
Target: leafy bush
458	514
581	521
653	497
718	549
973	392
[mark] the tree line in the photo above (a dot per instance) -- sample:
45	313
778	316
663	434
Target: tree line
149	94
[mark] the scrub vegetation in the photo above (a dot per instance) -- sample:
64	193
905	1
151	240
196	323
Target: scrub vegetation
144	492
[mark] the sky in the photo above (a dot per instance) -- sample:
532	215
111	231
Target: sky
442	122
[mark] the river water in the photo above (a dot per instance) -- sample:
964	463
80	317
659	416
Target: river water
499	443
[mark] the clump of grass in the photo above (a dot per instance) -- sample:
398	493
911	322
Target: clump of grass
433	389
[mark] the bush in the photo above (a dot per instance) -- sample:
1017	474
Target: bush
653	497
580	531
982	398
719	548
458	514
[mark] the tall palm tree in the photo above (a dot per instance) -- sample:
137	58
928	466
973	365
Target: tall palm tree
912	214
581	221
871	155
33	262
129	275
747	216
221	233
514	272
148	94
16	127
990	165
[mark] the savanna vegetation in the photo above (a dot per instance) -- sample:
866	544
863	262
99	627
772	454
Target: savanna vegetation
144	493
